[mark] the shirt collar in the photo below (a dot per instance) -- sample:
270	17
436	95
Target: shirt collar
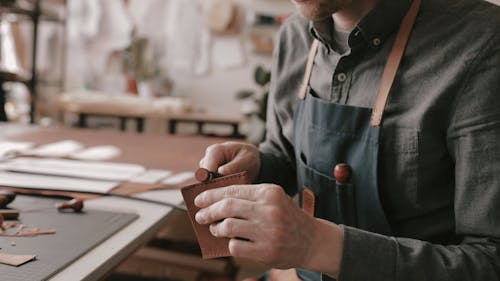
383	20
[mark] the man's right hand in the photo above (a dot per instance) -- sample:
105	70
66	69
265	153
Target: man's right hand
232	157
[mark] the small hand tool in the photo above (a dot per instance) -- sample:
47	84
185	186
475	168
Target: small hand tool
204	175
73	205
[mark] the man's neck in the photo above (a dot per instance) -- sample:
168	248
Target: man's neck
349	15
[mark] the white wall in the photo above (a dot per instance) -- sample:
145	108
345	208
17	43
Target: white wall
217	89
494	1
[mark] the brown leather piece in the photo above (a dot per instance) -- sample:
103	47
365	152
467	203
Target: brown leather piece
283	275
211	246
15	260
308	201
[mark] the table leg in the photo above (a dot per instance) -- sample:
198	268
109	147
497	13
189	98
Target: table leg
123	124
172	126
82	120
3	114
140	124
199	125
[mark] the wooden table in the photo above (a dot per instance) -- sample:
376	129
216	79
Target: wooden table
177	153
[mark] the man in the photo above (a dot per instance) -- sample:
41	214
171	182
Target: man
420	197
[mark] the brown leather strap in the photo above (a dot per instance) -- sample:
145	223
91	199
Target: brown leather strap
392	64
310	63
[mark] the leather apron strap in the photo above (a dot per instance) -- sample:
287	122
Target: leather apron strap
390	69
309	67
393	62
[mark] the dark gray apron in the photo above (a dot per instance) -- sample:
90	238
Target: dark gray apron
327	134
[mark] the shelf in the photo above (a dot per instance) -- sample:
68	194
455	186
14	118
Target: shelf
35	13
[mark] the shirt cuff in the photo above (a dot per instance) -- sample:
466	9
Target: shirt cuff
275	170
265	172
367	256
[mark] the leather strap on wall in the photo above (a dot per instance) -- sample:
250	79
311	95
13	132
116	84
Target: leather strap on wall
393	63
309	67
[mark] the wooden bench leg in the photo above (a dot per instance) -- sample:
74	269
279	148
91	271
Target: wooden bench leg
236	131
199	126
82	120
139	124
172	126
123	124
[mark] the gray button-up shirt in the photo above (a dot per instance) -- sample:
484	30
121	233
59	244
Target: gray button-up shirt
439	162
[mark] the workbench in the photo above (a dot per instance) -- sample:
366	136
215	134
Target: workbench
176	153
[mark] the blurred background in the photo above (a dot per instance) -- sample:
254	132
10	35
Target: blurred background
116	60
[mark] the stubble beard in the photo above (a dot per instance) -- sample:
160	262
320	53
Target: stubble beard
319	9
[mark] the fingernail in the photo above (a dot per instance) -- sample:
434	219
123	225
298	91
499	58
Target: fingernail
212	230
221	170
198	200
200	217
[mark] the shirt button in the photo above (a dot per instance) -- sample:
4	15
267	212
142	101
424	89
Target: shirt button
376	41
342	77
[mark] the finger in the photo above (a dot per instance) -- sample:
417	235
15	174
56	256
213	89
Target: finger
233	228
227	208
236	165
209	197
244	249
214	157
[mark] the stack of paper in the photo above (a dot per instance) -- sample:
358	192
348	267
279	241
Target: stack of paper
73	168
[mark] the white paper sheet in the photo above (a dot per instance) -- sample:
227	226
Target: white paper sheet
97	153
7	147
55	183
151	176
56	149
178	178
74	168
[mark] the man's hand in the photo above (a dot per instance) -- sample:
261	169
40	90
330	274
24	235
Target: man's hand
232	157
264	224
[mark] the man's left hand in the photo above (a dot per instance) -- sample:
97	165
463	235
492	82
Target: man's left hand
266	225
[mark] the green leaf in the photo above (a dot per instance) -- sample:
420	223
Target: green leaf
262	76
244	94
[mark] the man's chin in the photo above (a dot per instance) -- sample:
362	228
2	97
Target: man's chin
312	14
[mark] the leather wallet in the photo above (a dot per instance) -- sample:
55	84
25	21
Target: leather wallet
211	246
